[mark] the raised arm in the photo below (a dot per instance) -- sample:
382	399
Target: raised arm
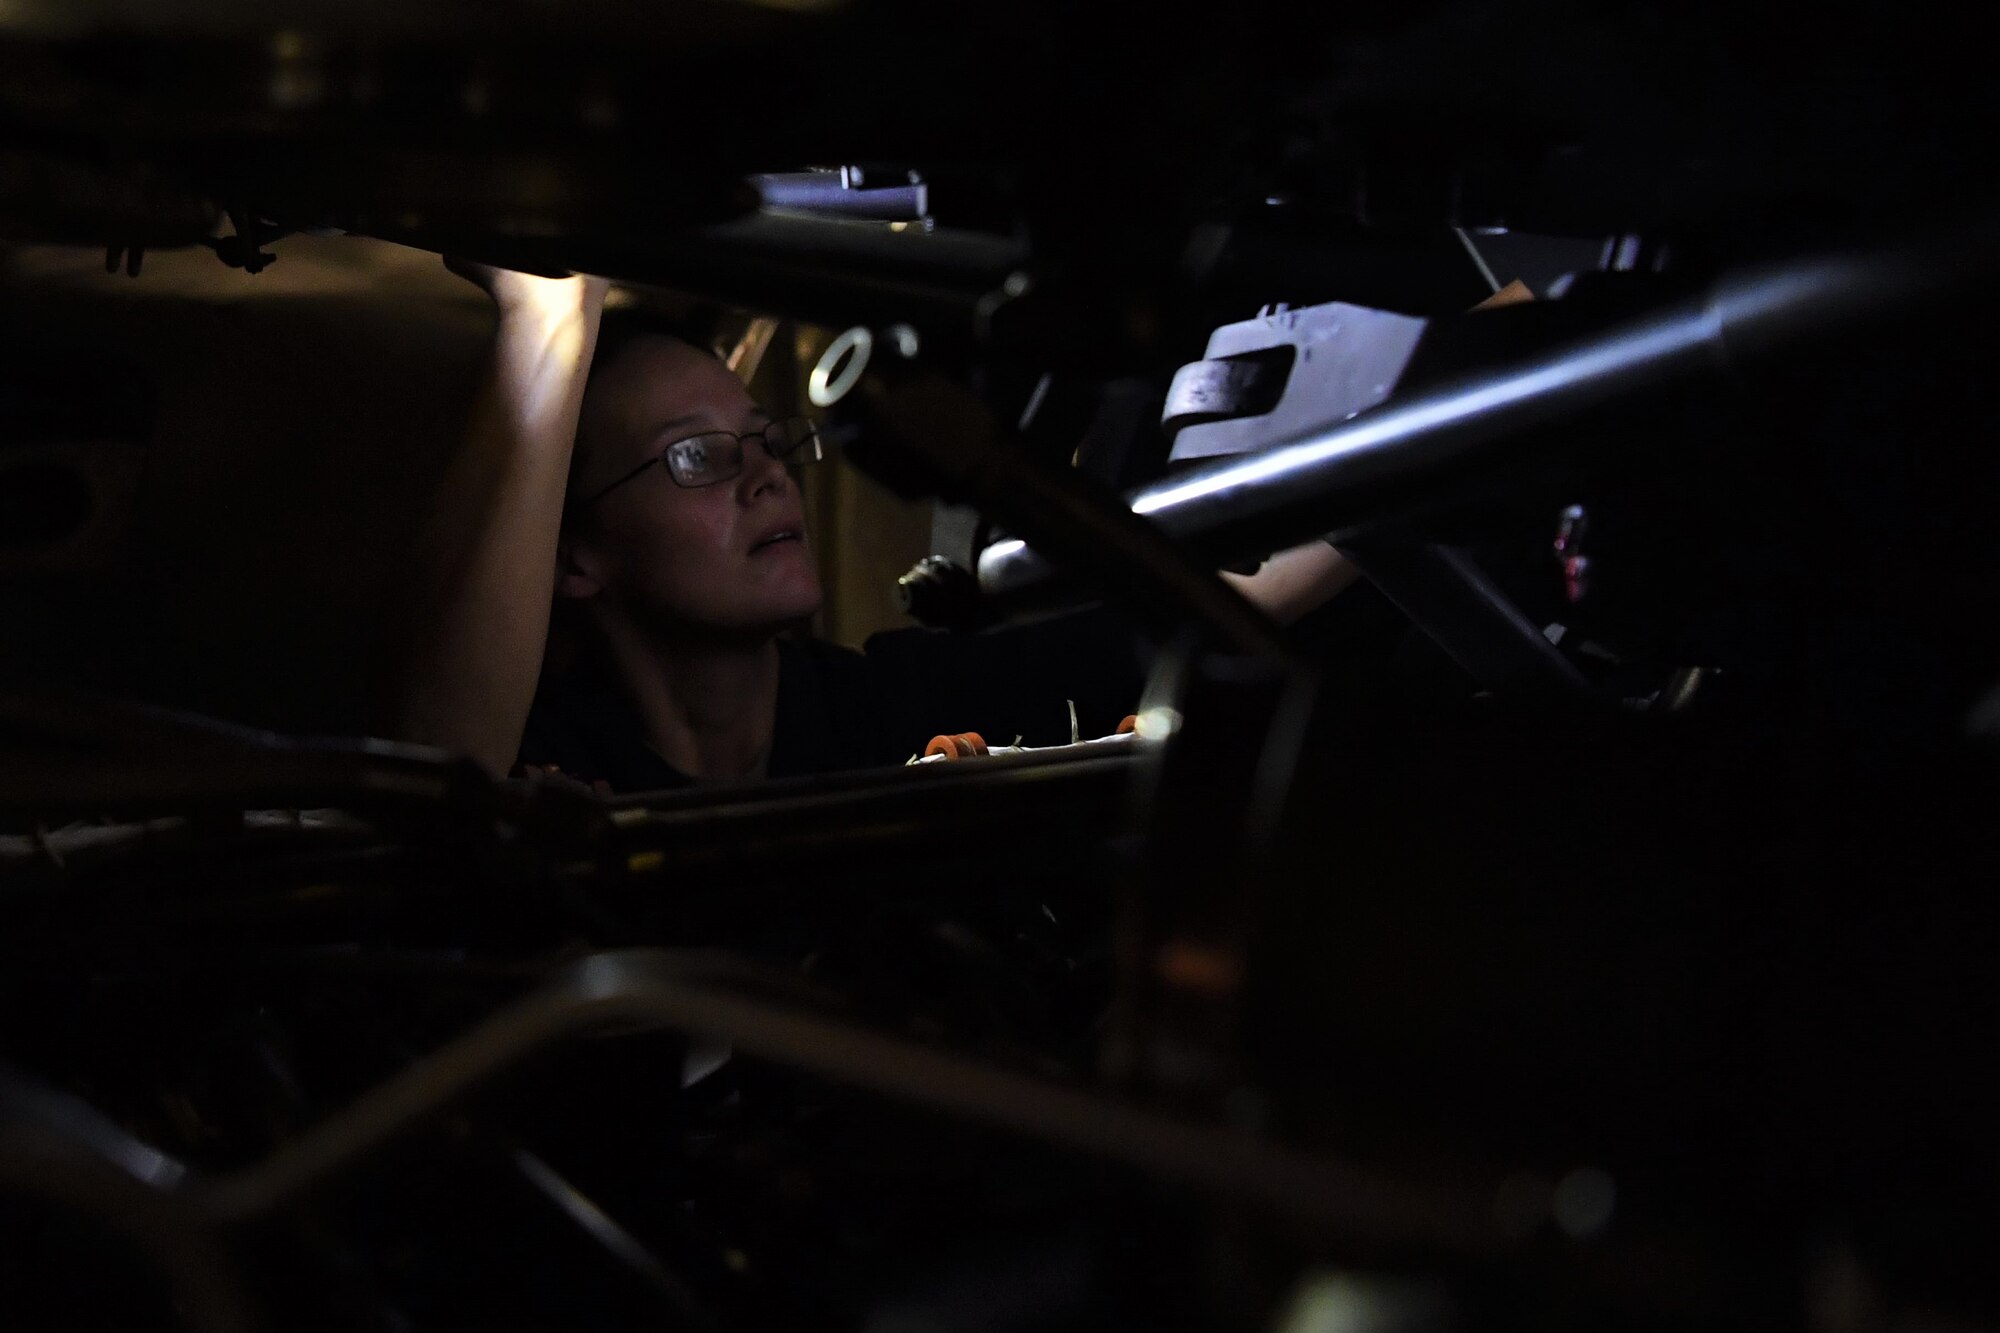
485	564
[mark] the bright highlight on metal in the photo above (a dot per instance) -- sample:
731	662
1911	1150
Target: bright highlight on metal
823	386
1157	723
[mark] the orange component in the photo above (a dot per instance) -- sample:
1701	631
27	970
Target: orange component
1193	966
1129	725
964	745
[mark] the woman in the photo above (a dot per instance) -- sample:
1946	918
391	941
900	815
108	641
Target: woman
651	495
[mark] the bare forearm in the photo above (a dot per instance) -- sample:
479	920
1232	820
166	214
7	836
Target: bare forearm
1296	582
485	565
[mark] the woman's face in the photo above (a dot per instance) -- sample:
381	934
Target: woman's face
725	560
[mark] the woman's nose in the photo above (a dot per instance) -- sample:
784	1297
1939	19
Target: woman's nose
762	470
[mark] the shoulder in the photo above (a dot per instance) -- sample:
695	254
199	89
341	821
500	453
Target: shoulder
831	711
580	724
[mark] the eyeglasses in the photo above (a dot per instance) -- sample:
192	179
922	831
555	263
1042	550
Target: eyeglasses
717	455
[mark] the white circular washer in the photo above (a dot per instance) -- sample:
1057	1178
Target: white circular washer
825	388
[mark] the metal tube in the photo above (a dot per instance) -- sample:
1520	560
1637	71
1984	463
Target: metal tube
614	1239
940	435
695	995
26	1101
822	193
1342	476
1448	596
72	1173
946	283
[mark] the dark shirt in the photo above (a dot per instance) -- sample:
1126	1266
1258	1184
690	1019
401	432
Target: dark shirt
839	709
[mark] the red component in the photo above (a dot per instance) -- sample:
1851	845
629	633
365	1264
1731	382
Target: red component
1576	578
963	745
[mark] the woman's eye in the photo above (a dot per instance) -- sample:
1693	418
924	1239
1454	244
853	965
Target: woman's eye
689	460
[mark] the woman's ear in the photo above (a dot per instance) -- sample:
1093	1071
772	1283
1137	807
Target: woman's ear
576	571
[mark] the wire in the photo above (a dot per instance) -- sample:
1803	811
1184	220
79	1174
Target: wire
1485	271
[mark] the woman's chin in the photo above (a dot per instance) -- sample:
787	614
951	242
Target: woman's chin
785	607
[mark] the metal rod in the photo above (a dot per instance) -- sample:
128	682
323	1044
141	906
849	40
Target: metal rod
643	986
73	1173
821	193
947	283
831	272
1478	260
1346	474
27	1101
950	437
1448	596
614	1239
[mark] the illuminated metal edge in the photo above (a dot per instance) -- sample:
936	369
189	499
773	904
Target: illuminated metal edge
709	997
1298	489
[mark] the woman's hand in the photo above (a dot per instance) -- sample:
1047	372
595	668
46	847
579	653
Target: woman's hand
1293	583
531	296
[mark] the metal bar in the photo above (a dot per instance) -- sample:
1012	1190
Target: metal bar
947	283
60	746
821	193
827	271
1348	474
28	1101
71	1171
1055	802
961	452
642	986
614	1239
1448	596
1478	260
